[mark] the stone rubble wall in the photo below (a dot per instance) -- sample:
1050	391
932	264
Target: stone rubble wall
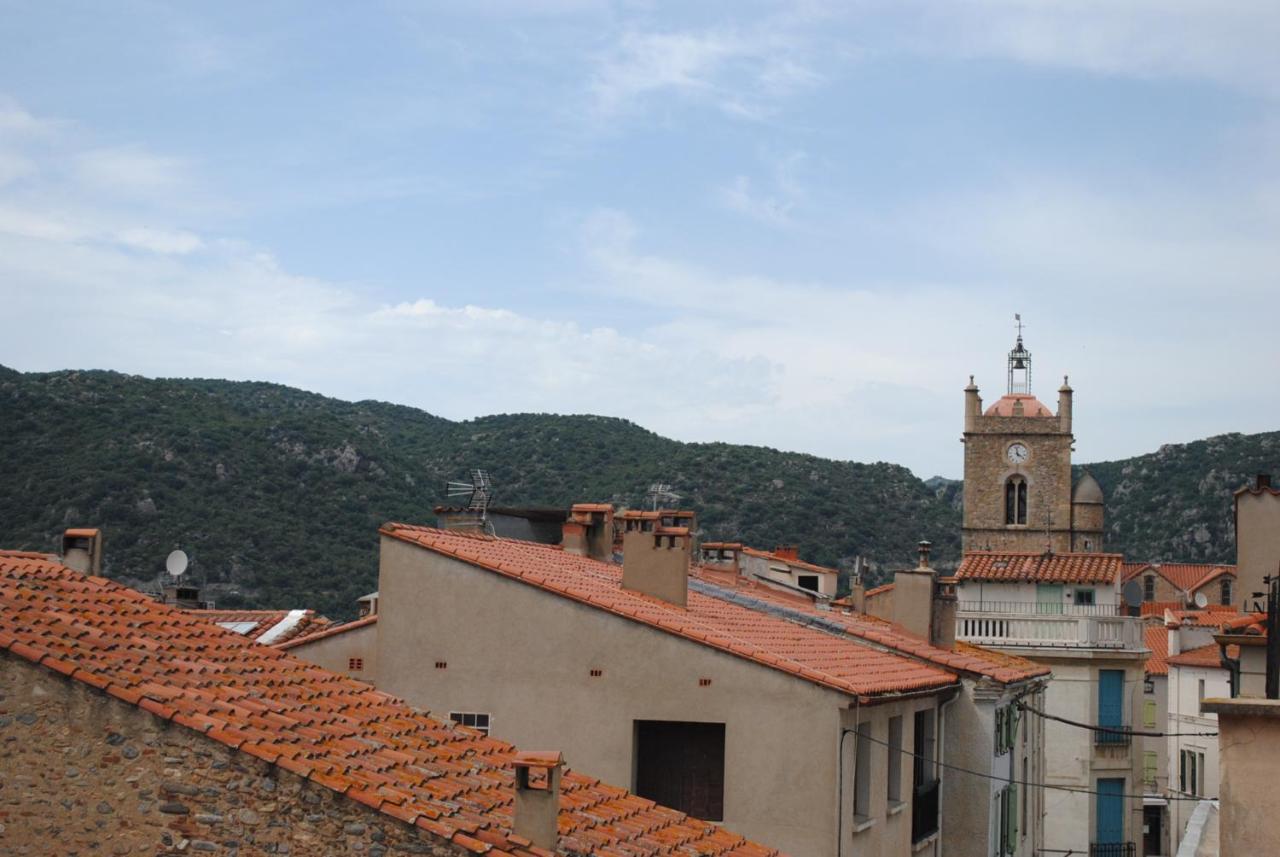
82	773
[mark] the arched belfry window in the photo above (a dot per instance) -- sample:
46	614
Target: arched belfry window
1015	500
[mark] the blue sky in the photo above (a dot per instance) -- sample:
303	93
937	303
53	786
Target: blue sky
801	225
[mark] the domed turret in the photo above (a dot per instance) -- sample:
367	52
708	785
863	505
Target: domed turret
1087	507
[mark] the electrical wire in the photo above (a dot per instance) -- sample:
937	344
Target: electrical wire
1027	783
1112	730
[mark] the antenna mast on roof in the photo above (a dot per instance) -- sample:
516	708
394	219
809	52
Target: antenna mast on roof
479	491
661	493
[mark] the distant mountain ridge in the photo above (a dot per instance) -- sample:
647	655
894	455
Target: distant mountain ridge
277	494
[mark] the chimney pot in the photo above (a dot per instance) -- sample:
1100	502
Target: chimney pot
537	805
923	549
82	549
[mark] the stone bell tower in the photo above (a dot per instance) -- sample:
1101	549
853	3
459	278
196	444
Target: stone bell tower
1017	471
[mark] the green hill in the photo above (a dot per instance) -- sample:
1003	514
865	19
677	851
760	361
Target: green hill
277	494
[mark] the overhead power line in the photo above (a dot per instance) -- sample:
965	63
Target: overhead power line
1114	730
1028	783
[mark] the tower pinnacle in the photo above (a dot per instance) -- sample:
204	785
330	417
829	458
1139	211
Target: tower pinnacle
1019	364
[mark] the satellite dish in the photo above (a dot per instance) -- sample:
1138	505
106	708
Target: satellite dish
176	563
1201	600
1132	593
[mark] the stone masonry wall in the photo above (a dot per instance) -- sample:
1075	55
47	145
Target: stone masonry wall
82	773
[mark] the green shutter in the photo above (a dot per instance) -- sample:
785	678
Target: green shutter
1013	817
999	731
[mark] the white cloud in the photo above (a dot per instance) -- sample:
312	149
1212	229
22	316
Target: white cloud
130	170
742	74
160	240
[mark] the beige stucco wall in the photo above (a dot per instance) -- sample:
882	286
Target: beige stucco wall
335	652
1257	543
1249	825
524	656
1184	719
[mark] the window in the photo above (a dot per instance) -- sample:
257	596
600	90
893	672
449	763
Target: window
1110	813
1149	713
1111	706
1149	766
808	581
1085	597
894	791
1191	772
925	784
478	722
1015	500
355	665
1149	588
1008	801
1148	685
681	765
925	744
1226	590
862	773
1007	719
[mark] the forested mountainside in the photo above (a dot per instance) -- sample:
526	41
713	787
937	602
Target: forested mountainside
277	494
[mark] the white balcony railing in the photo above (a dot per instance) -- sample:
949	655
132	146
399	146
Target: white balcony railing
1086	632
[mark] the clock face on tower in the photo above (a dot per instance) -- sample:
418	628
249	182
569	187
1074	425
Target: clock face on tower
1017	453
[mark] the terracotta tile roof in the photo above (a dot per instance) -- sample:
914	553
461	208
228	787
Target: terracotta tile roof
82	533
1158	608
257	624
1204	656
329	631
1156	638
879	590
805	652
788	559
1246	623
1031	406
1040	567
1218	617
1130	570
966	658
1191	576
340	733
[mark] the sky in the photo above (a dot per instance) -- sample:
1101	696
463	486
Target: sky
800	225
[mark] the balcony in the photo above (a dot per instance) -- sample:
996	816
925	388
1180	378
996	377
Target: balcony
1034	626
1113	849
1112	739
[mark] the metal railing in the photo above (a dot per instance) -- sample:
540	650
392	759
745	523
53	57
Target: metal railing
1112	849
1025	608
1112	739
924	811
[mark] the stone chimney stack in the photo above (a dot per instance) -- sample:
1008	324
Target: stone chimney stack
537	799
922	605
82	550
656	550
588	531
1064	406
972	406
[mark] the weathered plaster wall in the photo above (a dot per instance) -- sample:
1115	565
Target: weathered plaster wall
84	773
336	651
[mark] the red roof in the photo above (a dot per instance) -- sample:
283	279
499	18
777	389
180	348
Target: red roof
1191	576
788	558
1157	608
287	624
1157	639
1031	406
966	658
1204	656
1130	570
330	631
339	733
1218	617
1040	567
800	650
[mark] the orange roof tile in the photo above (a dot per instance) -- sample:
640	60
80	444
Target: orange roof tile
1040	567
1204	656
879	590
1130	570
788	558
1156	638
1191	576
1218	617
336	731
966	658
1157	608
1031	406
328	631
801	650
264	621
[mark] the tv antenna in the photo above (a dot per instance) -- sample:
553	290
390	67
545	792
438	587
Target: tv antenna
661	493
479	491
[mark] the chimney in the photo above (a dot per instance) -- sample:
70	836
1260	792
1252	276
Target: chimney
588	531
656	549
537	800
787	552
725	556
82	550
1264	481
913	596
942	633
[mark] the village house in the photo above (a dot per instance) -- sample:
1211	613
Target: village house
130	726
683	676
1181	585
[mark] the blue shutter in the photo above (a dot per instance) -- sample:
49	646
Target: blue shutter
1111	698
1110	812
